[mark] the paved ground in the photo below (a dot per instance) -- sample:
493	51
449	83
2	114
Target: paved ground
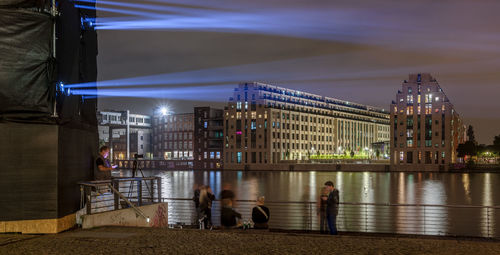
122	240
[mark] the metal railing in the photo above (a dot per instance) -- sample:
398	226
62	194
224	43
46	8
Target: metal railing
415	219
117	193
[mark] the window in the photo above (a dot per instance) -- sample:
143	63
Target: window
428	108
409	110
409	157
238	105
409	99
428	98
401	156
238	157
205	124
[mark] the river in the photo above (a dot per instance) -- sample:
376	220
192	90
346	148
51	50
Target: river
478	189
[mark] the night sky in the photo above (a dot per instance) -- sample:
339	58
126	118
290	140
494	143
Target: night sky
354	50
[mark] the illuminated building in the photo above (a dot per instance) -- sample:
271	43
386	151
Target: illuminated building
266	124
113	128
173	136
208	138
426	129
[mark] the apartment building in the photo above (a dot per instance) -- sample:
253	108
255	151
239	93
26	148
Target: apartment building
173	135
208	138
425	128
113	128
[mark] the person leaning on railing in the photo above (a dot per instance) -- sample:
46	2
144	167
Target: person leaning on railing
103	170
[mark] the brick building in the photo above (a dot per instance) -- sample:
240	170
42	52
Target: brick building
208	138
173	136
426	129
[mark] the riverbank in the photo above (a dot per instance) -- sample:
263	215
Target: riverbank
122	240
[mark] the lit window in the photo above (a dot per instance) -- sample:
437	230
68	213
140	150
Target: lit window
401	156
409	99
238	157
238	105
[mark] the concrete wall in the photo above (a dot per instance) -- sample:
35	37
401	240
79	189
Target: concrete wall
313	167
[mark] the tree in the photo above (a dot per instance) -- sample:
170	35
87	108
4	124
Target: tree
470	134
466	149
496	144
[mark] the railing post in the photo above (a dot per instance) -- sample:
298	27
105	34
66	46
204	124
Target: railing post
366	218
88	199
152	191
488	220
424	219
158	186
116	185
139	191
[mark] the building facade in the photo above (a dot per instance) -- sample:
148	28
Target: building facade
426	129
268	124
113	128
173	136
208	138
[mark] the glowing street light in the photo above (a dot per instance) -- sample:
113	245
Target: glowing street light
164	111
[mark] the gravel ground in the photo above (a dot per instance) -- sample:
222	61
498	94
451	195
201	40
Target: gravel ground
122	240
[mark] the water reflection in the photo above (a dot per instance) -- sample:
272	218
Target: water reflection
362	187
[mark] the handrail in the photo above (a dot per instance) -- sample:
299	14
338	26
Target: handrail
131	189
426	219
137	210
358	203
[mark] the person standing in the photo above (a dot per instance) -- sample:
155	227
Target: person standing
260	214
196	200
101	195
332	207
104	168
206	198
323	223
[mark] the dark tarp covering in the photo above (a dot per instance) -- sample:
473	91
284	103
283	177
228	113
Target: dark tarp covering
25	3
26	64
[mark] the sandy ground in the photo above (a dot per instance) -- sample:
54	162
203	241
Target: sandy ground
123	240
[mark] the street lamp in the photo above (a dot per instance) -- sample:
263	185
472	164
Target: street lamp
163	111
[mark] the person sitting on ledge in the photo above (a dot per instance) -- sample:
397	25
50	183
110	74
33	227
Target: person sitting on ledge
260	214
103	171
228	214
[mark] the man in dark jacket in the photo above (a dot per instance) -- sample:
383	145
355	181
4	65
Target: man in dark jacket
332	207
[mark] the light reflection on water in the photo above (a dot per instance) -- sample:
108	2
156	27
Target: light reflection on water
363	187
